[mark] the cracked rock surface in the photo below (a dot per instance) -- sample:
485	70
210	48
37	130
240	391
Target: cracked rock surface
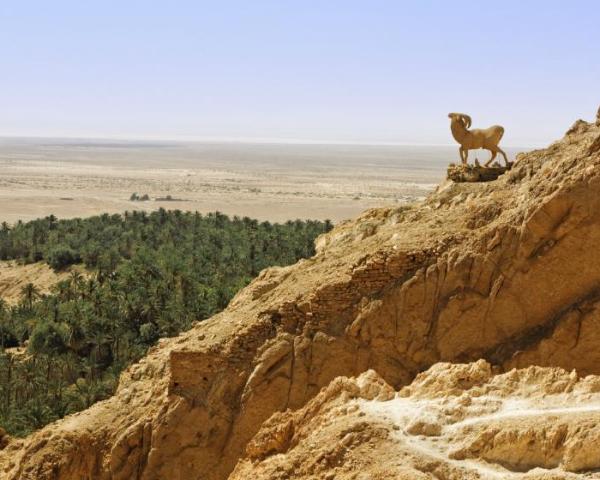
507	271
455	421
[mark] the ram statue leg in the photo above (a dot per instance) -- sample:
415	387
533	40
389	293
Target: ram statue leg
504	155
494	153
464	153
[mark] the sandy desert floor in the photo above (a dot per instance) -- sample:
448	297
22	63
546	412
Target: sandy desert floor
275	182
14	276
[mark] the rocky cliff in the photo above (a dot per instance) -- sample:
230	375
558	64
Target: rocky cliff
455	421
507	271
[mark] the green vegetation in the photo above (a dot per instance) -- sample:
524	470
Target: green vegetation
137	198
151	276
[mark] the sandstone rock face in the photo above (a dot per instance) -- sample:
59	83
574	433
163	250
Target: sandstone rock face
507	271
455	421
475	173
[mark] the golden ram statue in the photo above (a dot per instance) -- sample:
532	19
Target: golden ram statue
487	138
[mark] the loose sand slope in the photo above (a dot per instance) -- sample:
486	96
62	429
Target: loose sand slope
505	271
13	277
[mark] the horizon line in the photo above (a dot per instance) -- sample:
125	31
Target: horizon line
239	140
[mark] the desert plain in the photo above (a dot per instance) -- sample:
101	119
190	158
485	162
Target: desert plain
267	181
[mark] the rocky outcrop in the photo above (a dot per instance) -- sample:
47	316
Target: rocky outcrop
476	173
507	271
455	421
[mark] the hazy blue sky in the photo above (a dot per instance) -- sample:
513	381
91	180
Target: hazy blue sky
365	71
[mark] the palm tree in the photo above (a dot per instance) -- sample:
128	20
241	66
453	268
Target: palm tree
63	290
29	293
36	414
3	322
77	279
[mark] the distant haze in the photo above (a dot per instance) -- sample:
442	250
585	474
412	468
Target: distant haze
341	70
276	182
